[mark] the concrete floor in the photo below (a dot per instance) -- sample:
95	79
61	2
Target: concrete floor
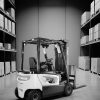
91	91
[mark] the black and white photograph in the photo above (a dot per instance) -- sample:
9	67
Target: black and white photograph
49	49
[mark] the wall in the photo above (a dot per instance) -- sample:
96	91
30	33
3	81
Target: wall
53	23
27	24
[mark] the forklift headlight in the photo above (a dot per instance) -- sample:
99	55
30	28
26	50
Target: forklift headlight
23	78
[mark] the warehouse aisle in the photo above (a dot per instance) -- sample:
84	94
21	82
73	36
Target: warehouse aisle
84	78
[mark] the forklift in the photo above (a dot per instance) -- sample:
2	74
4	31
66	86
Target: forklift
40	76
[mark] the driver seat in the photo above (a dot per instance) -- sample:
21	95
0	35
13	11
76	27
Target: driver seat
33	64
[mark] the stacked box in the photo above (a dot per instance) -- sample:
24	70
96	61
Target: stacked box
95	65
12	12
91	34
97	5
7	67
7	46
85	39
2	4
1	21
84	62
13	66
1	68
1	45
85	17
13	28
97	31
9	25
6	24
92	11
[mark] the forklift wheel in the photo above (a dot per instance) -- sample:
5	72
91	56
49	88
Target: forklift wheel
34	95
16	93
68	89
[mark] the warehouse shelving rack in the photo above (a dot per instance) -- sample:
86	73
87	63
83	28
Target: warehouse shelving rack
7	55
92	48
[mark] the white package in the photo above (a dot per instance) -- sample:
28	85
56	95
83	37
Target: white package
85	17
2	4
92	11
1	21
7	67
97	6
13	65
6	23
13	28
1	68
9	25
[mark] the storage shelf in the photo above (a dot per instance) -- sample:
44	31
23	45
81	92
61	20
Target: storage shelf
90	43
92	21
87	44
8	38
85	25
8	50
9	17
8	33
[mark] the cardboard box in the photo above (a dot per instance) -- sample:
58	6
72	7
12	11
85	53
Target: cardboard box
1	45
7	46
9	25
2	4
7	67
91	34
13	28
97	6
6	24
12	12
1	68
85	39
85	17
1	21
97	27
84	62
97	31
92	8
95	65
13	65
97	35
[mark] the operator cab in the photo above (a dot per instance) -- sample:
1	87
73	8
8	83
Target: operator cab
43	69
42	62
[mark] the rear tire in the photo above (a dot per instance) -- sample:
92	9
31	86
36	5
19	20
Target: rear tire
16	93
34	95
68	89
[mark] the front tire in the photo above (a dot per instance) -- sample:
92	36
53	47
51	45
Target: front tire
34	95
68	89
